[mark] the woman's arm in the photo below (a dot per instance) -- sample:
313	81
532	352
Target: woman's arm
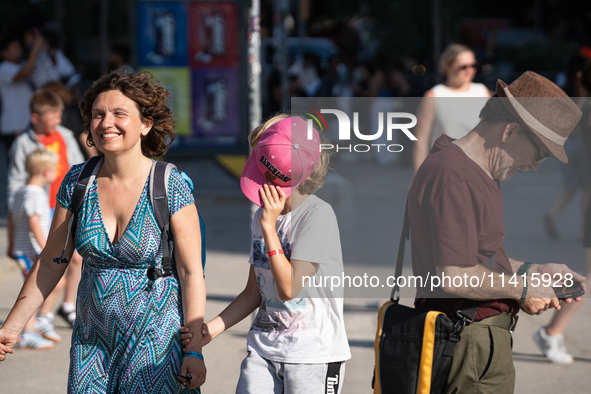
27	69
43	277
187	252
426	117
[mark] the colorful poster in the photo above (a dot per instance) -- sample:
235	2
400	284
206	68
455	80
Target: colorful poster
162	30
213	34
216	105
177	80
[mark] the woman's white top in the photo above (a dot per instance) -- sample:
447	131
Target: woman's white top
456	113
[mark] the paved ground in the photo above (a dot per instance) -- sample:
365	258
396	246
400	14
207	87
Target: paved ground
369	202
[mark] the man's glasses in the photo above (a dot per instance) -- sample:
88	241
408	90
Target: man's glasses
466	66
540	157
185	380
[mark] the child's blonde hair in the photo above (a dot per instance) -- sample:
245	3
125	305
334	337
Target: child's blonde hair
316	178
40	159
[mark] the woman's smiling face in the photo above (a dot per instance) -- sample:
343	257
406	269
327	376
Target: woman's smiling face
116	124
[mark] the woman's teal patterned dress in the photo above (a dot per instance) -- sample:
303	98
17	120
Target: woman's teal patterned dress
125	337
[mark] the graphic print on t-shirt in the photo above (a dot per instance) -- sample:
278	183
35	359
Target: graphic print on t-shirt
55	143
259	254
274	315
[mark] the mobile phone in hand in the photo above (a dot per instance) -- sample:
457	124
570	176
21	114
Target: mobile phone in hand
574	291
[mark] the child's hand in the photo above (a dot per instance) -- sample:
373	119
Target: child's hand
186	335
273	199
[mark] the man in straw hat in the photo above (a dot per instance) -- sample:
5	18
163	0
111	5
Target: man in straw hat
455	208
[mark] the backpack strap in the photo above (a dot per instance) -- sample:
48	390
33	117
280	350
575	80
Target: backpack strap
159	199
85	179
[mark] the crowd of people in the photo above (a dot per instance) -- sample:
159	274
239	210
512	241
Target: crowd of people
34	75
308	77
133	331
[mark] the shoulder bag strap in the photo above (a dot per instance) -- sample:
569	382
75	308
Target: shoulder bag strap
470	306
404	236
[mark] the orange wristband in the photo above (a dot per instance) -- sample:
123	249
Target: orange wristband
274	252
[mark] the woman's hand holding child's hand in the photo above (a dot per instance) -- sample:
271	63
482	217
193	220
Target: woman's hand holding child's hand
186	335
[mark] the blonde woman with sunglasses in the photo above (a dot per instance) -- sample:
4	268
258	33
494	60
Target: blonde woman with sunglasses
458	113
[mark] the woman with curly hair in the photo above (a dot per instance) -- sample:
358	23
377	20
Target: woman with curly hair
125	338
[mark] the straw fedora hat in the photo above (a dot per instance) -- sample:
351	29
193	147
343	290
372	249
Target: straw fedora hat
543	108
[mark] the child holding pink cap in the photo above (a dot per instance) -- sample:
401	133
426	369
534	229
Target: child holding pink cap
297	342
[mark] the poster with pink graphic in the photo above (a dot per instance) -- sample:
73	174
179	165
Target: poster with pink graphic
213	34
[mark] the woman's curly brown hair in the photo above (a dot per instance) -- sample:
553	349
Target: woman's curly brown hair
151	100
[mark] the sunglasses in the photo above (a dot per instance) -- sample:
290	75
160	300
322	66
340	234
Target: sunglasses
540	157
185	380
466	66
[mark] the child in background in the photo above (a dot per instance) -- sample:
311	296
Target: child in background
31	221
297	342
46	117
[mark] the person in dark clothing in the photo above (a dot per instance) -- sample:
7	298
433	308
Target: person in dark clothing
455	208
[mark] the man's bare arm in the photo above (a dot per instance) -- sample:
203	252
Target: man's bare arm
493	286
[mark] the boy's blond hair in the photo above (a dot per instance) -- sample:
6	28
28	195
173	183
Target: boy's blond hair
316	178
45	100
40	159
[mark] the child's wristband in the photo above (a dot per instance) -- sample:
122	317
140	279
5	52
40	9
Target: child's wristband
193	354
274	252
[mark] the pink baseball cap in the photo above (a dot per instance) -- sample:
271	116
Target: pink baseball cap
284	156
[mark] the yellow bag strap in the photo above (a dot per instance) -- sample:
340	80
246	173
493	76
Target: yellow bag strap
376	386
426	365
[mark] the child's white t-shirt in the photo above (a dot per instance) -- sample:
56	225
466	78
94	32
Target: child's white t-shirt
310	328
29	200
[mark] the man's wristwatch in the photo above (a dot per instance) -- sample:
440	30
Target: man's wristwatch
523	270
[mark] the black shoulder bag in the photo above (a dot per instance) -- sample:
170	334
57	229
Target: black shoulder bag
414	348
